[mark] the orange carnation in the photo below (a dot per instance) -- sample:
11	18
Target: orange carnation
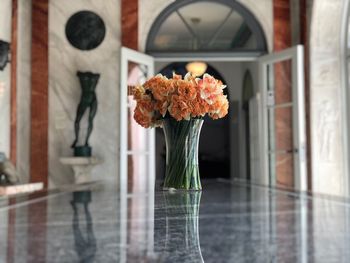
181	98
187	90
219	108
210	88
199	107
144	111
179	109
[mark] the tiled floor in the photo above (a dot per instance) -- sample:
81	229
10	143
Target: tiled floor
223	223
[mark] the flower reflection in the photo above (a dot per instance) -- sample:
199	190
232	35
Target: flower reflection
181	243
84	246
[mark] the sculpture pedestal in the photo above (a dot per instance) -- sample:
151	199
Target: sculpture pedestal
82	167
20	188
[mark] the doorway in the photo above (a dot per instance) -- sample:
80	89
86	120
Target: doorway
214	155
230	36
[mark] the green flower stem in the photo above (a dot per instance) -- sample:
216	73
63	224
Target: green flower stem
182	138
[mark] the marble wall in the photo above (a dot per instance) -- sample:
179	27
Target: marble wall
23	88
329	173
64	89
5	83
149	11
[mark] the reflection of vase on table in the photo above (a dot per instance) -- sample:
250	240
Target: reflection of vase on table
182	228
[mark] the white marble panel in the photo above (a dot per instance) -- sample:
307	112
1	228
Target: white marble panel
23	88
328	111
64	88
5	84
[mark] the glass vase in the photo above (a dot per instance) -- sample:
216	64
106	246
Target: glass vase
182	140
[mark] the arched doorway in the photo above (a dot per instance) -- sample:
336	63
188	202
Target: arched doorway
214	155
182	32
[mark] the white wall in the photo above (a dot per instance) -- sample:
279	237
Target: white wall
64	89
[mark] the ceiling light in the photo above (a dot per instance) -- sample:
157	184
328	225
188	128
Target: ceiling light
197	68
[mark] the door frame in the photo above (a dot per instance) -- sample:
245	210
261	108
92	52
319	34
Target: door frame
296	54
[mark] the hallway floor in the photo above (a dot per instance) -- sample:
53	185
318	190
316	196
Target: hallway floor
223	223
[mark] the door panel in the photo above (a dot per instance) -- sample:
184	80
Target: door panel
137	160
283	139
136	143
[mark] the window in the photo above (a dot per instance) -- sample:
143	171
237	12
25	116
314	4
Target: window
187	26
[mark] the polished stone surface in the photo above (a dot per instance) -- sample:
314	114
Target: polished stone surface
223	223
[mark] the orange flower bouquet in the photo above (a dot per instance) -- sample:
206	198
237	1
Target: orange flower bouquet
179	105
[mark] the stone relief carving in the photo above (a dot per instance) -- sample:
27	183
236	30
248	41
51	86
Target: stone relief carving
328	119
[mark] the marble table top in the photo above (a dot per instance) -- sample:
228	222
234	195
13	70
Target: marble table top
223	223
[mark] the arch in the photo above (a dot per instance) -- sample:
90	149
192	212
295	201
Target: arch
214	155
250	25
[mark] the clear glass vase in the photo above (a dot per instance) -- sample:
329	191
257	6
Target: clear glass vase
182	141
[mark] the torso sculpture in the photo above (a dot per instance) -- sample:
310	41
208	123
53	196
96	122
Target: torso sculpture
88	100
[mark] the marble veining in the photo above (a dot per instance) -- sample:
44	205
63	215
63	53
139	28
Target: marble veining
64	89
223	223
329	160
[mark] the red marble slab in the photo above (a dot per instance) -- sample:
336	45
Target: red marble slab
39	94
282	76
13	92
281	24
284	129
129	23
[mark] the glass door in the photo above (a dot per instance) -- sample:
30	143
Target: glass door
137	160
136	143
283	136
